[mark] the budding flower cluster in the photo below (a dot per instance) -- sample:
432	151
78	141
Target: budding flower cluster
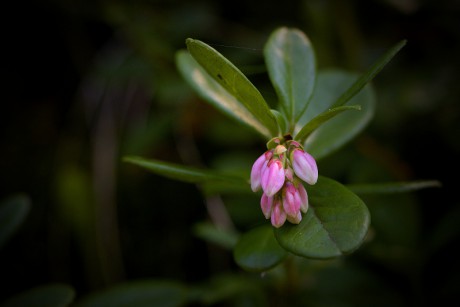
280	172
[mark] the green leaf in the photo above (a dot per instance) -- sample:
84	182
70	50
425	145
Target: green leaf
180	172
211	91
139	294
319	120
230	290
13	212
52	295
369	74
393	187
291	66
282	122
234	81
209	232
257	250
339	130
335	224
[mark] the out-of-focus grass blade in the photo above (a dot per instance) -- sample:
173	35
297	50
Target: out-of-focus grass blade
393	187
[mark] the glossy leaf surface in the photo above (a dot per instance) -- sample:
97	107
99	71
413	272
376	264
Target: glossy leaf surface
342	128
211	91
234	81
316	122
335	224
292	69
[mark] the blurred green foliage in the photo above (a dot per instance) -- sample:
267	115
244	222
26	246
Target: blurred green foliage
89	82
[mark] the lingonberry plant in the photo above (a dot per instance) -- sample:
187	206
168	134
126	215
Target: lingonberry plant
309	215
317	113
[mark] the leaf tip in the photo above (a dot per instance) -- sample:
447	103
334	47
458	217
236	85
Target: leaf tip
401	44
189	41
128	159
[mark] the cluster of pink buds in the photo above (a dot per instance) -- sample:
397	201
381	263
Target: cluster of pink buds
280	172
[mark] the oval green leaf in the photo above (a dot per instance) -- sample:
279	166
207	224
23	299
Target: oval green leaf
52	295
342	128
335	224
258	251
181	172
13	212
211	91
234	81
291	67
138	293
316	122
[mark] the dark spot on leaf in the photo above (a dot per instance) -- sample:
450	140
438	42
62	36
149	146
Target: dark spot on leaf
220	77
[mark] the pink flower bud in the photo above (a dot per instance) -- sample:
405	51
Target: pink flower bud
303	197
295	220
285	196
291	200
304	166
278	215
272	177
294	144
289	173
266	203
256	172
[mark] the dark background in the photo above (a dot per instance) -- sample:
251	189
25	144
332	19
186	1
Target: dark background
87	82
